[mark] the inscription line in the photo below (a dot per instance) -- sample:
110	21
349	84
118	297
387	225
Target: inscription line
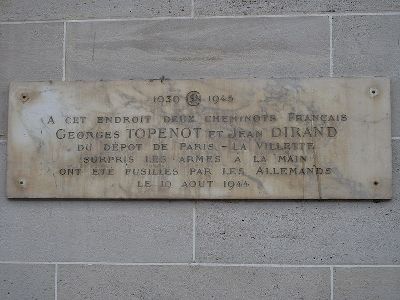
4	140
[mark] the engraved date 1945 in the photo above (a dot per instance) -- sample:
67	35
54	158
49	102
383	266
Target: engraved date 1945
220	98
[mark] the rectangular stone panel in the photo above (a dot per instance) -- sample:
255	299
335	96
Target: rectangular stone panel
198	48
23	10
212	139
191	282
367	283
270	7
19	281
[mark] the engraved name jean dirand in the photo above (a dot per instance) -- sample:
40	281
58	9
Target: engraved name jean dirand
213	139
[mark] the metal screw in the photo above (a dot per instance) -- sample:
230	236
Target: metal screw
373	92
24	97
21	182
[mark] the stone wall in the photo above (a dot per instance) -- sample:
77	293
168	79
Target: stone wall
58	249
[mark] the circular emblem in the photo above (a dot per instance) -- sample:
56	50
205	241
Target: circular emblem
193	98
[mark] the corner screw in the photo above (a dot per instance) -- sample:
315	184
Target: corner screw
373	92
21	182
24	97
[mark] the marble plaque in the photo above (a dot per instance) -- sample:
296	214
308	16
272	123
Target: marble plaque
326	138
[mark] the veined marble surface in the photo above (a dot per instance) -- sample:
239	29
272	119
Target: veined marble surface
326	138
